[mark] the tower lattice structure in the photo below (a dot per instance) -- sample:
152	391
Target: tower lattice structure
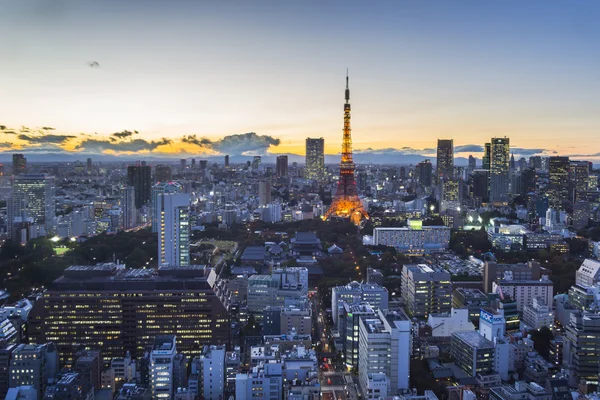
346	203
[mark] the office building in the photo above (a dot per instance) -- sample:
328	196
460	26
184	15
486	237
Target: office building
424	173
581	214
472	353
297	317
443	324
499	169
445	160
450	195
579	173
174	229
581	350
161	367
524	271
182	165
264	193
28	366
140	177
19	164
162	173
226	161
480	185
384	348
471	299
538	314
349	328
282	166
315	158
16	210
558	182
413	239
38	191
492	324
485	160
129	209
426	291
263	381
588	274
274	290
358	293
524	291
157	190
212	372
118	310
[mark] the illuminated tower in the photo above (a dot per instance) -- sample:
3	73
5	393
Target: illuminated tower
346	203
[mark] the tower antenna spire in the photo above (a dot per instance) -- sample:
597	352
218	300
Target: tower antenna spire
347	88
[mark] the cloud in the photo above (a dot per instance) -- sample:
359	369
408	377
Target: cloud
46	139
123	134
468	148
131	146
238	144
529	152
47	128
192	139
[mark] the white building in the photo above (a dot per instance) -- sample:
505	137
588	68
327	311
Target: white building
588	274
538	314
213	372
157	190
415	238
524	291
491	325
278	289
270	212
442	325
384	348
161	367
174	229
366	293
265	381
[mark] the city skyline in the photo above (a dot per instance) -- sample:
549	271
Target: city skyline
117	79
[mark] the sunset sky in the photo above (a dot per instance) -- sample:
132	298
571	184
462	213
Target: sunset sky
419	71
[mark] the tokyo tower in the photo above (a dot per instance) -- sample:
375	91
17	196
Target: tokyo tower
346	203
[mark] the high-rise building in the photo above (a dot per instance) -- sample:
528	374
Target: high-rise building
174	229
384	348
282	166
162	173
140	177
480	185
16	208
487	151
39	193
226	160
366	293
203	164
193	163
424	172
118	310
28	366
472	353
579	173
264	193
129	209
88	167
582	346
157	190
315	158
162	357
256	161
472	162
581	214
445	160
451	195
212	372
182	164
350	328
426	291
19	164
499	169
558	182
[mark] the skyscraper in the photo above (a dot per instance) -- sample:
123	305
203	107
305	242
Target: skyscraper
162	173
485	161
472	162
423	172
157	190
162	358
445	160
499	169
129	209
174	233
88	166
140	177
39	193
579	174
282	166
19	164
315	158
182	164
226	160
558	182
16	207
264	193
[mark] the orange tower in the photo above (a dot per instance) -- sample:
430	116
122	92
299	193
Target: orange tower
346	203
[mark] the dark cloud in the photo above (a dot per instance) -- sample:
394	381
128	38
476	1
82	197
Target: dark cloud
46	139
2	127
244	143
193	139
25	129
526	152
97	145
468	148
124	134
47	128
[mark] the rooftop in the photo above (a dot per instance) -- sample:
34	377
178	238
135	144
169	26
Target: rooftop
474	339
